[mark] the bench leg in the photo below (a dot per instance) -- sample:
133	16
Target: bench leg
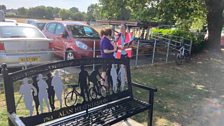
150	117
150	111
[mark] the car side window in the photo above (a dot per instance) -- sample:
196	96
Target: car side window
51	27
90	32
59	29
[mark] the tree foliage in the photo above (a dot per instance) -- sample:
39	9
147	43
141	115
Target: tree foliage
185	14
93	12
115	9
22	11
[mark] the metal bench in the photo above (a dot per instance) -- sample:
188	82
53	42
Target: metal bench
112	102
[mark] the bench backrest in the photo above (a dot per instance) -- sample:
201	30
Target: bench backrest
60	83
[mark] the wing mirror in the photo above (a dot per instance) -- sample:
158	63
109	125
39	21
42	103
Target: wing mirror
63	35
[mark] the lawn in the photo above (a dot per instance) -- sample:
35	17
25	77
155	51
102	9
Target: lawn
188	95
183	91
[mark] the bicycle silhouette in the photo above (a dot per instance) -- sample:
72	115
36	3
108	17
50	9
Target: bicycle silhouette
97	90
73	97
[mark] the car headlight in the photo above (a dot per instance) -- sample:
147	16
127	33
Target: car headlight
81	45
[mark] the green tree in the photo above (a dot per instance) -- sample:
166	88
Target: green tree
195	13
185	14
64	14
215	19
22	11
56	12
115	9
93	12
78	16
74	10
40	12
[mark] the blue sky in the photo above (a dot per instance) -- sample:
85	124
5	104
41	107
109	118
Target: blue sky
81	4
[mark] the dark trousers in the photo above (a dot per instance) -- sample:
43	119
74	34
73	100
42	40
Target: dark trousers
124	56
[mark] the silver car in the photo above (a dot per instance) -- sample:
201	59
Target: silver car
22	45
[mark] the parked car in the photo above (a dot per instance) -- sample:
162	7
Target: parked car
37	23
31	21
22	44
72	39
40	25
222	37
10	20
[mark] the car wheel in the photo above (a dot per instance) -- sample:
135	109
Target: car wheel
69	55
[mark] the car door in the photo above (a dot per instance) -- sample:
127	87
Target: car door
92	37
61	39
49	32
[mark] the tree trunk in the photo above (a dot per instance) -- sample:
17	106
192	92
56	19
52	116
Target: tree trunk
215	23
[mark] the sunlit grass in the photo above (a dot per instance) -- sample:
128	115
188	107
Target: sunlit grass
175	97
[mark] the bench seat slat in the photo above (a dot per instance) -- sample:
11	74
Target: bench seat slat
105	115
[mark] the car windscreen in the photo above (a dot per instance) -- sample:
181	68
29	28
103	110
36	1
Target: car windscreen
79	31
19	32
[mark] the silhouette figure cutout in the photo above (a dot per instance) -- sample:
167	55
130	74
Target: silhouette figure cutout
113	74
83	83
42	85
122	76
50	91
58	87
26	91
35	96
93	78
107	79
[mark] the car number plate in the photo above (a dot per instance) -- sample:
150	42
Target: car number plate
29	59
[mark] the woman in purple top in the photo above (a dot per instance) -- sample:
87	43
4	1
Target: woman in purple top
107	49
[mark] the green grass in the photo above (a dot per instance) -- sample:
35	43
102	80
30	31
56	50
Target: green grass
176	94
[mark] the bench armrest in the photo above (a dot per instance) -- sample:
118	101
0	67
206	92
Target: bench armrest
150	90
15	120
144	87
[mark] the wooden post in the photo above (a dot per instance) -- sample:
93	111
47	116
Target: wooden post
9	92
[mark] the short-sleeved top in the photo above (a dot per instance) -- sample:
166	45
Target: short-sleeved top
105	43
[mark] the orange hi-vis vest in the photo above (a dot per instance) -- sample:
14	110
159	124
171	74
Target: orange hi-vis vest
128	37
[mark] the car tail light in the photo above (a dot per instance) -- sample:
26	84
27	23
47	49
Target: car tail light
2	46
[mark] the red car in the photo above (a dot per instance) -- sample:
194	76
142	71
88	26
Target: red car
72	39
